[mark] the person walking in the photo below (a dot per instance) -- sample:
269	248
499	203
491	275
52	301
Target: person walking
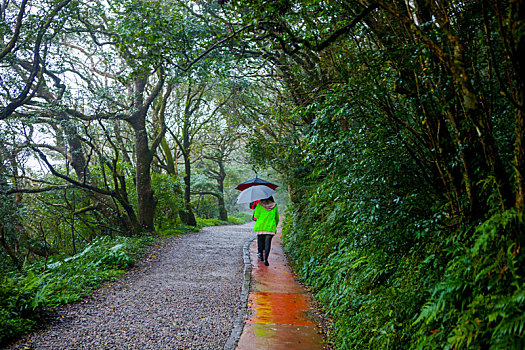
266	215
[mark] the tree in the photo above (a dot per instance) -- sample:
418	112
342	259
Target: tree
218	145
401	155
194	111
24	61
300	54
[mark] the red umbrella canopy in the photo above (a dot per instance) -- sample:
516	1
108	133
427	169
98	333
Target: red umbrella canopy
255	182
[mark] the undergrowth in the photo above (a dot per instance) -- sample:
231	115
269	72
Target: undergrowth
232	220
26	294
454	291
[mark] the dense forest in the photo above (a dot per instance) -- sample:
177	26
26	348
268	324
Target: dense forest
397	127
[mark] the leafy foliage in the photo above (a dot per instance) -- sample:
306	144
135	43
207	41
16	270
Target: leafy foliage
59	280
169	201
402	282
406	214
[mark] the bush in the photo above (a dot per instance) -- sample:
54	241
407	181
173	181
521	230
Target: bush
479	301
240	218
202	222
235	220
169	199
462	292
177	231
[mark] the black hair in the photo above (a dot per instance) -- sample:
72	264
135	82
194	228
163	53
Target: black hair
269	199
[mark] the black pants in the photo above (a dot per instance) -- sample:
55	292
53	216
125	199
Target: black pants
264	244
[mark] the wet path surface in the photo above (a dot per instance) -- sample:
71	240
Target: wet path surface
280	315
185	295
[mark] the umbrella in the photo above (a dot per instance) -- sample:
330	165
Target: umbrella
255	182
254	193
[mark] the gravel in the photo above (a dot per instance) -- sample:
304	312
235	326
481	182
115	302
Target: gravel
185	294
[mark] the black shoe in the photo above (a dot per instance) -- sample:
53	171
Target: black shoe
260	256
266	263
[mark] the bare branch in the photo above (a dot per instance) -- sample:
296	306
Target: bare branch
67	178
37	190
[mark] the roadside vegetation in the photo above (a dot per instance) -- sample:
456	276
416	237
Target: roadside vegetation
399	128
40	286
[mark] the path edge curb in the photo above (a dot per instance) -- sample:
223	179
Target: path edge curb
238	327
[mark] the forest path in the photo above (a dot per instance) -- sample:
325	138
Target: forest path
184	295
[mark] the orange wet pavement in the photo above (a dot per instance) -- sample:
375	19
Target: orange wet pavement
279	309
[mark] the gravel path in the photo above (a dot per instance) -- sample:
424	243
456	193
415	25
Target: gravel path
185	295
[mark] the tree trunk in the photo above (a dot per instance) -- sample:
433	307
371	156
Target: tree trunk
171	168
480	152
170	160
223	214
519	156
188	217
517	27
145	199
76	154
8	249
130	220
144	155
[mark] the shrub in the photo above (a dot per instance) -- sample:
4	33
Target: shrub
202	222
240	218
169	199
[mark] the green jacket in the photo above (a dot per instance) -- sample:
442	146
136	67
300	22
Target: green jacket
267	220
